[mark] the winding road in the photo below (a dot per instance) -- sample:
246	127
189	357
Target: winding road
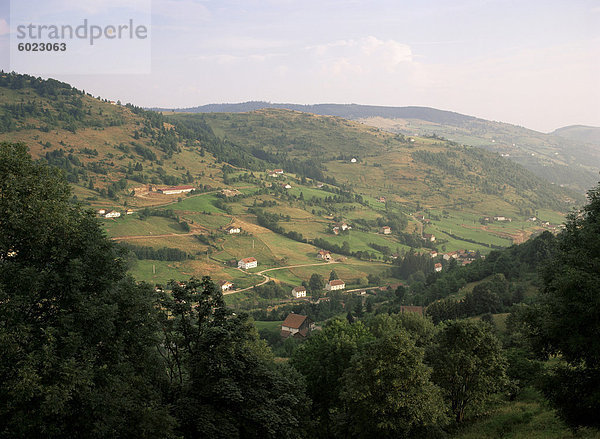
267	278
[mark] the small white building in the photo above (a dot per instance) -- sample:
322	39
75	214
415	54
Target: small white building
101	211
298	292
287	186
247	263
353	160
225	285
112	214
324	254
429	237
335	284
176	190
233	229
386	230
438	267
433	254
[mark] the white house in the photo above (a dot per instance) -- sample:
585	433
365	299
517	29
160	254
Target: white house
438	267
287	186
298	292
353	160
176	190
247	263
324	254
225	285
429	237
335	284
112	214
101	211
233	229
386	230
278	171
433	254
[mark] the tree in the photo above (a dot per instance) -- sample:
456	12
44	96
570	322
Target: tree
333	275
77	336
468	364
322	360
387	391
571	298
224	381
316	282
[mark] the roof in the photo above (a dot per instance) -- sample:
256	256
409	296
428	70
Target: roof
386	227
324	252
176	188
336	282
246	260
294	321
225	282
438	265
297	289
232	227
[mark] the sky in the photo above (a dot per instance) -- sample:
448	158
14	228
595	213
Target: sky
531	63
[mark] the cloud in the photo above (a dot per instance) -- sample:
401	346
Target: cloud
362	56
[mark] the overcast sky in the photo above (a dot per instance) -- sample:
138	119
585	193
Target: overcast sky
531	63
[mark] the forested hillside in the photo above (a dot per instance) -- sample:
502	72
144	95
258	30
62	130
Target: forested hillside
87	351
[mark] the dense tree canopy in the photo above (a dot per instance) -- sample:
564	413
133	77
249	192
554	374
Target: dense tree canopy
77	336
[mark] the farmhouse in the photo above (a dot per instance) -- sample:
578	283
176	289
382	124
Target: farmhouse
324	254
225	285
296	325
247	263
438	267
112	214
233	229
287	186
428	237
129	212
386	230
101	211
278	171
449	255
345	227
335	284
502	218
381	199
298	292
433	254
176	190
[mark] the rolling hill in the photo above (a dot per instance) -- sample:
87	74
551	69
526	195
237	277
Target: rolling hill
558	157
580	133
116	155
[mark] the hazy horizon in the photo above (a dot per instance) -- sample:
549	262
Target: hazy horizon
534	64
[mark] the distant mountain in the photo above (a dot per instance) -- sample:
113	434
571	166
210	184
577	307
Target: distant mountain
347	111
580	133
569	160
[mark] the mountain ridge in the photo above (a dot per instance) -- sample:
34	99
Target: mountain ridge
563	159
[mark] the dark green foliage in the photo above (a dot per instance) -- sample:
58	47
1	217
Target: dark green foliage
571	317
468	364
387	391
224	383
316	282
161	254
322	360
77	336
